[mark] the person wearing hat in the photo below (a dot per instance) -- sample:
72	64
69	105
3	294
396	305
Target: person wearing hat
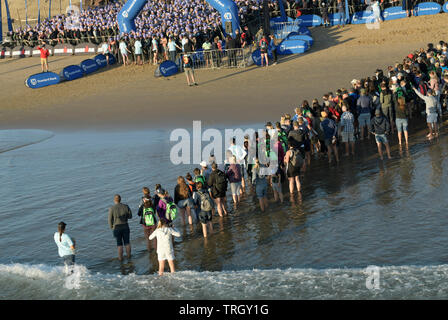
66	247
380	127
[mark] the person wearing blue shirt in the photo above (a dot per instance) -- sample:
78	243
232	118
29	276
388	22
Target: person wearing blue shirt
330	130
273	48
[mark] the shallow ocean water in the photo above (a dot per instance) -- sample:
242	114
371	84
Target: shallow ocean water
364	212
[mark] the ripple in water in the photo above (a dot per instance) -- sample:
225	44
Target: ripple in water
14	139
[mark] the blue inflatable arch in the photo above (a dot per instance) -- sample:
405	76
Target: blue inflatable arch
227	9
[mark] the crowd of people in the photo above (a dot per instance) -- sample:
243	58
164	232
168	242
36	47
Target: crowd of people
375	106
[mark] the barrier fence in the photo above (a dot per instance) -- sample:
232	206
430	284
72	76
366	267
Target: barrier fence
216	59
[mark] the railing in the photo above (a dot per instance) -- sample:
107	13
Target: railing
216	59
282	29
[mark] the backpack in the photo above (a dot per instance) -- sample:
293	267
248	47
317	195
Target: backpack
148	217
221	182
206	201
171	210
200	179
296	159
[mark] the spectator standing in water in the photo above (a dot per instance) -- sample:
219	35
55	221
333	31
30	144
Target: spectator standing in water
66	247
380	127
431	111
401	121
165	250
118	221
204	204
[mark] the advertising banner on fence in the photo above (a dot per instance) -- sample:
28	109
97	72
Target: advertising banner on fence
363	17
427	8
100	60
72	72
303	37
85	48
63	50
292	47
309	20
168	68
393	13
43	79
89	66
335	17
445	7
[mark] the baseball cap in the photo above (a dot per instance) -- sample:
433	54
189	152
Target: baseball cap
203	164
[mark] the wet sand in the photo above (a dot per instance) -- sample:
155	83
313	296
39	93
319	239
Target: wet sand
131	97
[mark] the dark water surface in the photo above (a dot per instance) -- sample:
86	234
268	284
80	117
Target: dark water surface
362	212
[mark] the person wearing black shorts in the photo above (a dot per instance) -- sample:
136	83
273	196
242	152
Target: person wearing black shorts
118	221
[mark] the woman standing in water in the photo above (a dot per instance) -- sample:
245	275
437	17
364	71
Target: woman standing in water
66	247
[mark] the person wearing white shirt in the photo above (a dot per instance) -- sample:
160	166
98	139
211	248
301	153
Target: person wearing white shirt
165	250
138	52
66	247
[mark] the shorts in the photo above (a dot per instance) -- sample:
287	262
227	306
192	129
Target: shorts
431	117
121	233
185	203
165	256
69	260
381	138
205	216
43	60
189	72
277	187
402	124
364	119
261	189
235	188
347	137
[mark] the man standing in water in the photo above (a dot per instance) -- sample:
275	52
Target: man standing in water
118	221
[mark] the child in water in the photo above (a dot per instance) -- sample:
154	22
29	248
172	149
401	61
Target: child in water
66	247
165	249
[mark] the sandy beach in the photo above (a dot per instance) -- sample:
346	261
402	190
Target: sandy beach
131	97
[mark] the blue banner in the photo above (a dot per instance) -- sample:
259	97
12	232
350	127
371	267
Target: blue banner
43	79
304	31
303	37
89	66
445	7
38	11
131	9
72	72
427	8
309	20
8	16
292	47
112	59
363	17
168	68
334	18
100	60
393	13
1	23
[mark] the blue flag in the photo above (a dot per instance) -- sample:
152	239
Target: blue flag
8	16
347	13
